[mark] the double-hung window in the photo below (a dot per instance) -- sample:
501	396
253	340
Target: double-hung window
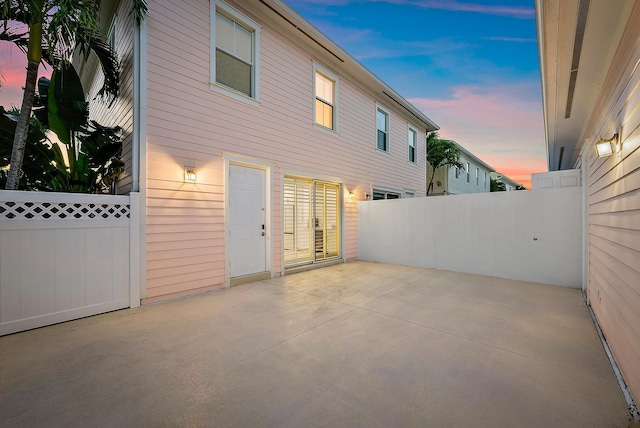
485	180
382	125
468	173
234	59
413	145
457	171
325	103
477	177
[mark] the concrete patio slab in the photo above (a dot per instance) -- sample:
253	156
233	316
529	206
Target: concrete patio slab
357	344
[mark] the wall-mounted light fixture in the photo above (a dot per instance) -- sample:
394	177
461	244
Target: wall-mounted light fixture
367	196
606	148
351	197
190	175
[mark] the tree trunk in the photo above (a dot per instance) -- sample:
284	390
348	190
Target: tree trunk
433	173
34	56
22	128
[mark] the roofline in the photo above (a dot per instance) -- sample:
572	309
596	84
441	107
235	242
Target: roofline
475	158
318	36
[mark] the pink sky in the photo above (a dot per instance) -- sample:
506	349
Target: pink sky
497	124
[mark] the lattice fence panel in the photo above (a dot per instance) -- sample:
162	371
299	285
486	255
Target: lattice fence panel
62	211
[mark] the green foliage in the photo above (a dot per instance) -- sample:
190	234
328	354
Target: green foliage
42	169
497	186
85	160
441	153
56	29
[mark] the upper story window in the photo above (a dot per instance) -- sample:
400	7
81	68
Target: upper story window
413	145
382	125
111	35
326	90
485	180
457	171
468	173
477	176
234	59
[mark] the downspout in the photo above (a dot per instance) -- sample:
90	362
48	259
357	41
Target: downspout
139	149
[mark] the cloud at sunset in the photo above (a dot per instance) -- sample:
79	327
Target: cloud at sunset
501	124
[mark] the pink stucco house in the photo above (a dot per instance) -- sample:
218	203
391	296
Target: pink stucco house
250	137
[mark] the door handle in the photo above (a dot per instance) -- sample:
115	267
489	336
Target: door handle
262	233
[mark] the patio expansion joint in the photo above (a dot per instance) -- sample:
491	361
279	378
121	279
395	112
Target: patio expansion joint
228	367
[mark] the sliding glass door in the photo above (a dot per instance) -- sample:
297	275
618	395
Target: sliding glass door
311	221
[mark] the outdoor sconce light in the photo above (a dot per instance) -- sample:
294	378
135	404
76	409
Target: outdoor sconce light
606	148
190	175
351	197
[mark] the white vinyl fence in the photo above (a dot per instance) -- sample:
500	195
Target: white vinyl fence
531	236
65	256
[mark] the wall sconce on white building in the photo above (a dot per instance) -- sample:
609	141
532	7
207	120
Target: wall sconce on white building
606	148
190	175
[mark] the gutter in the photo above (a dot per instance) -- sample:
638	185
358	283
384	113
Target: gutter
139	149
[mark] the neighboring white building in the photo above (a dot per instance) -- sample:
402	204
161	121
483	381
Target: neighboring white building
509	183
474	178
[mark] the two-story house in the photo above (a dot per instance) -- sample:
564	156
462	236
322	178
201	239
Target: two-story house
250	137
474	178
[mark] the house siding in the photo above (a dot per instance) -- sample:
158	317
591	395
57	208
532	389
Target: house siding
189	124
120	113
614	208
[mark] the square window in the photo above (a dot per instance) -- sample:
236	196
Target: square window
382	125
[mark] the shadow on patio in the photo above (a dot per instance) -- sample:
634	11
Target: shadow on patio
357	344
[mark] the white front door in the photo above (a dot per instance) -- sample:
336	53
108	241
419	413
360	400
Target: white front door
247	220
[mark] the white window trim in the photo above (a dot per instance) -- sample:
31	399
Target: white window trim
477	177
386	111
111	34
468	173
409	192
317	68
414	129
233	14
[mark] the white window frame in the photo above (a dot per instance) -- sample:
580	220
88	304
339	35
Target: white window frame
477	177
111	34
413	130
233	14
388	114
409	194
485	180
468	173
386	191
336	86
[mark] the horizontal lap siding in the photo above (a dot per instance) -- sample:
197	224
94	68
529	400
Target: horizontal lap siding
614	209
189	124
120	113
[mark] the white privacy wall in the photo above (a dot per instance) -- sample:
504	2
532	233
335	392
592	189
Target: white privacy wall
531	236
